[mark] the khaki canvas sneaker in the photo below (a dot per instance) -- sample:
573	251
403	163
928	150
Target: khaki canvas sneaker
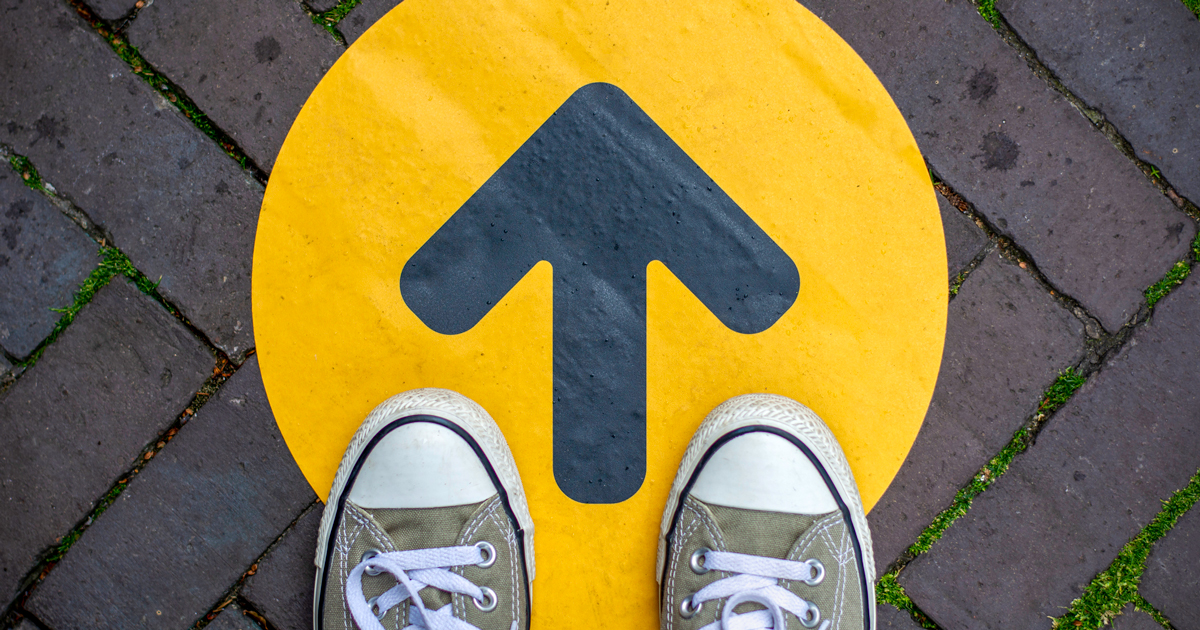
426	524
764	527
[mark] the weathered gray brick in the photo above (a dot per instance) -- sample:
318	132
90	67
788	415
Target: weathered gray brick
964	239
173	201
232	618
1018	151
363	16
282	589
892	618
1171	581
115	379
43	259
1092	481
1134	619
1006	341
1138	61
188	526
112	9
248	65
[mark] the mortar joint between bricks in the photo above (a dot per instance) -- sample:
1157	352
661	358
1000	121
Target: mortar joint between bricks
987	9
1012	252
165	88
233	593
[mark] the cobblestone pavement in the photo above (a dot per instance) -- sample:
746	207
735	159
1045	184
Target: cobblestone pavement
1049	487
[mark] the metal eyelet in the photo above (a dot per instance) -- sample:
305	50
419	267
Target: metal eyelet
812	618
687	609
489	601
697	561
488	552
368	555
818	572
374	604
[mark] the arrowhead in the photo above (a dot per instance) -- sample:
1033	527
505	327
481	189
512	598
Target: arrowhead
599	191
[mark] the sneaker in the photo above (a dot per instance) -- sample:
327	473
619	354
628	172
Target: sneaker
764	527
426	524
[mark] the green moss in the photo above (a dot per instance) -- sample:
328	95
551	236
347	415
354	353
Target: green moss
331	18
1055	396
957	283
25	169
1174	278
987	8
112	263
889	591
1117	586
1194	5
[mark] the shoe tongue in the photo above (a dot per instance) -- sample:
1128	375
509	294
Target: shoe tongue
767	534
424	528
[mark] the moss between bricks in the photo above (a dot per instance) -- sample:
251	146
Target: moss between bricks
887	588
331	18
161	84
1116	586
1175	276
1194	5
28	173
112	263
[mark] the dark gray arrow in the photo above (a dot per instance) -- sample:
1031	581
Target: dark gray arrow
600	191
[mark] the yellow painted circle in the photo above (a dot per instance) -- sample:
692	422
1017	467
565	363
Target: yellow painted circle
764	97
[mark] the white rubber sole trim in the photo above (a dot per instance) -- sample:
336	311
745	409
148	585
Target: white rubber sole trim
787	415
441	403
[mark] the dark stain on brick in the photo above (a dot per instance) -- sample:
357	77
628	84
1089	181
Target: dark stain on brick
999	151
222	187
49	128
267	49
982	85
1174	233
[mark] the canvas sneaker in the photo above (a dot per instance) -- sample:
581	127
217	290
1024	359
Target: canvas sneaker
426	525
764	527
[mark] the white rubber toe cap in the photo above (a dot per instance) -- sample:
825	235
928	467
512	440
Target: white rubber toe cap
763	471
421	465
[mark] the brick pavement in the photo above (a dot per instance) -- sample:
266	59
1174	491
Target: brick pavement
1053	230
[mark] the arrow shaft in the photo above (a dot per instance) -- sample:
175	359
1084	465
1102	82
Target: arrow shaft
599	384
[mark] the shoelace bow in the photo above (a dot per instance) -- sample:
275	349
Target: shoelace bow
415	570
757	580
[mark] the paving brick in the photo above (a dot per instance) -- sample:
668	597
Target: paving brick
892	618
231	618
366	14
964	239
177	205
1138	61
1172	578
1018	151
248	65
5	366
26	624
43	259
1134	619
1092	481
1006	341
112	9
188	526
282	589
115	379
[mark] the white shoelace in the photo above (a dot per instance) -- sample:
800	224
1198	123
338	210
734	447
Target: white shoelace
757	581
415	570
